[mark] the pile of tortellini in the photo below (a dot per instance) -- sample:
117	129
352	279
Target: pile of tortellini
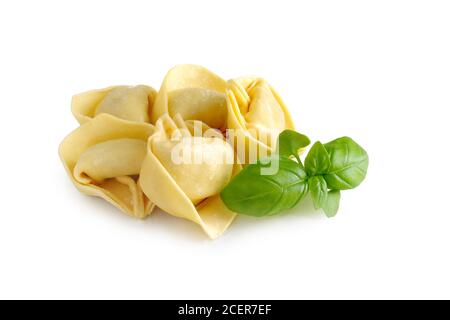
121	151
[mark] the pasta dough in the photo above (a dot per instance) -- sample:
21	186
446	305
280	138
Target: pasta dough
125	102
198	181
190	188
194	93
184	162
257	114
110	159
103	158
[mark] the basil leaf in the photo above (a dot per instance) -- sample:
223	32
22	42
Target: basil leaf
331	206
317	161
348	164
253	194
319	191
290	143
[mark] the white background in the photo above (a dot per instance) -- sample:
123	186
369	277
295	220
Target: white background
378	71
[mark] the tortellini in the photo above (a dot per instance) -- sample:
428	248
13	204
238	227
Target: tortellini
103	158
195	93
132	103
138	148
185	171
256	113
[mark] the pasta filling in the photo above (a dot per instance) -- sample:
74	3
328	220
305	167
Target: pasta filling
202	170
110	159
201	104
129	103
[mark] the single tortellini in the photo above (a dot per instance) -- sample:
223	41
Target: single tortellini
187	166
257	115
194	93
103	157
125	102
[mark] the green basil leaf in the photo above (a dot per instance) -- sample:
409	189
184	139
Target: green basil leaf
319	191
253	194
290	143
331	206
348	164
317	161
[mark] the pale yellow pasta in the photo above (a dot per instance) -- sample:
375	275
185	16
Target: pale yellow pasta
198	181
194	93
189	190
103	157
184	162
125	102
256	113
110	159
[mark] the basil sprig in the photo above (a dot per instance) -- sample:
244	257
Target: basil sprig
328	168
